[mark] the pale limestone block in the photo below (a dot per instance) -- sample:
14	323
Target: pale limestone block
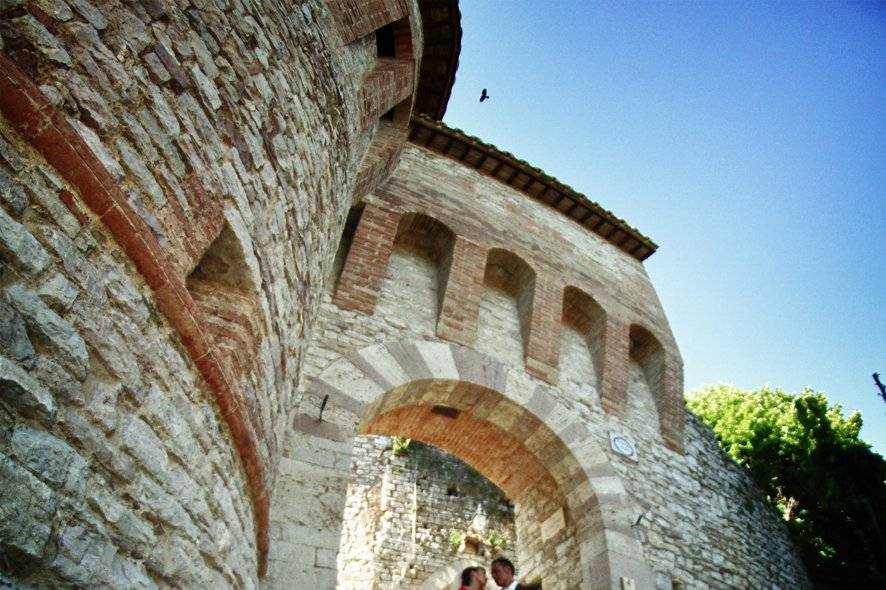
539	440
27	506
57	331
607	485
386	365
438	358
505	415
434	392
559	418
519	388
553	524
345	377
592	459
580	494
21	391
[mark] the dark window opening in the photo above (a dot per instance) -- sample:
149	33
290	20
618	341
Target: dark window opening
452	491
384	41
344	244
389	116
445	411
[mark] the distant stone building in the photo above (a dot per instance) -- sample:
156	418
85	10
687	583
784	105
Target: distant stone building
416	518
235	235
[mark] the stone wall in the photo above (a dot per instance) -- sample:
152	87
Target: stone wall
98	437
703	525
401	511
175	176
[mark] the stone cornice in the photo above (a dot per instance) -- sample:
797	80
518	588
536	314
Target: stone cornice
535	183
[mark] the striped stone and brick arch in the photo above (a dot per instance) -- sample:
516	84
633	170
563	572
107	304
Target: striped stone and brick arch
571	506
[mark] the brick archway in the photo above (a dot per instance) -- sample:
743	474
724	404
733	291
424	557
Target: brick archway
496	418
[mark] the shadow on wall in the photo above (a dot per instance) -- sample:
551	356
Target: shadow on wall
417	273
506	307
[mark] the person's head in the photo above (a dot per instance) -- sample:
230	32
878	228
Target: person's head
473	577
502	571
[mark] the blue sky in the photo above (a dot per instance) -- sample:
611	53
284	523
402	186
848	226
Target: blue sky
747	139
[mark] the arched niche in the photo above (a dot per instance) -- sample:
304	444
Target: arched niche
344	245
582	347
417	271
505	316
647	354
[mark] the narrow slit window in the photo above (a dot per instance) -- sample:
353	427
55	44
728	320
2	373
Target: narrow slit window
385	44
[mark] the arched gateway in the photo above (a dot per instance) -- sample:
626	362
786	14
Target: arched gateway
574	516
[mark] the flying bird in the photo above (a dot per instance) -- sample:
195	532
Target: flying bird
484	96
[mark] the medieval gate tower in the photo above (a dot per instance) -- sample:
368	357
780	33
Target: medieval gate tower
234	234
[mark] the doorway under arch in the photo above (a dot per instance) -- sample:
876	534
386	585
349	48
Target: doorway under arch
573	515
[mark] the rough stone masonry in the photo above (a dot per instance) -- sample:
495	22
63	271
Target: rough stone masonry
234	236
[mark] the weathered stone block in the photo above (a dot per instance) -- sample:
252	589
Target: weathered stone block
14	342
27	508
19	247
23	393
11	156
92	14
45	42
84	556
58	293
58	333
102	404
64	386
165	507
10	192
108	455
50	459
142	442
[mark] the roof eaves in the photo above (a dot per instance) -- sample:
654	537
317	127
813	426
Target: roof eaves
606	224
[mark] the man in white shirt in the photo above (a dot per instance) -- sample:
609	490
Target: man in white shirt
503	573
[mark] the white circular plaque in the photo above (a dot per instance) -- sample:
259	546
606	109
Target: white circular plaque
623	445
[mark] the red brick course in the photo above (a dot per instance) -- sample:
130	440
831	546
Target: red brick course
543	346
367	260
464	289
480	443
615	356
671	408
358	18
389	83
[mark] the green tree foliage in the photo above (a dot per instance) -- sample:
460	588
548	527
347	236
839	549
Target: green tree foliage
829	485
